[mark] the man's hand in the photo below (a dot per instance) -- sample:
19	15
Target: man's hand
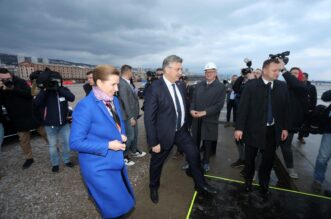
202	114
133	122
194	113
238	135
4	87
284	135
281	64
198	114
124	138
116	145
156	149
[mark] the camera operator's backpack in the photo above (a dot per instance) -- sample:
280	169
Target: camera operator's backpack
320	116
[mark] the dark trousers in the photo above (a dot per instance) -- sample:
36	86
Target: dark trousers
209	148
184	141
231	104
268	155
287	152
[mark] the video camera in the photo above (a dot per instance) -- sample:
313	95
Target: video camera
48	79
249	68
8	82
282	56
151	76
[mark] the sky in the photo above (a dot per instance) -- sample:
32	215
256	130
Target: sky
142	33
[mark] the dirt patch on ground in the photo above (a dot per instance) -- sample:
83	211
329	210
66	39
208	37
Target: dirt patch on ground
38	193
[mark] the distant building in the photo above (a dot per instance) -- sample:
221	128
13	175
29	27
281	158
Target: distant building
77	73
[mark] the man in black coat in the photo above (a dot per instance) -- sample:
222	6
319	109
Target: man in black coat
262	122
16	97
207	101
165	123
230	101
298	106
312	101
88	86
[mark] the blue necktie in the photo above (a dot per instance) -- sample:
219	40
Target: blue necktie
269	115
179	111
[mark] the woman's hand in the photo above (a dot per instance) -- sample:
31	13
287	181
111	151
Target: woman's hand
116	145
124	138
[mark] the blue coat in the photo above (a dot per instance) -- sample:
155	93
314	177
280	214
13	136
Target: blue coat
103	170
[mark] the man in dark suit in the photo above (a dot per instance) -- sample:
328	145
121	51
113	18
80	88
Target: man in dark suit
165	122
312	102
88	85
262	121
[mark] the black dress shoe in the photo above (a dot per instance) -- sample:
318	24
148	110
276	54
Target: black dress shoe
27	163
55	169
264	190
70	164
154	195
248	186
207	189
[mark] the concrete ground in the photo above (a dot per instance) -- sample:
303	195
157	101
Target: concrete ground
38	193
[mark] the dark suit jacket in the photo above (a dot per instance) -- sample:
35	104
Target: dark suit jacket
160	114
87	88
252	111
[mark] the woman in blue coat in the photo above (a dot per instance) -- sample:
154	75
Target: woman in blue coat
98	134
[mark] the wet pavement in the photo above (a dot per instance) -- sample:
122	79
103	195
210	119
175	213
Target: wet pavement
280	204
38	193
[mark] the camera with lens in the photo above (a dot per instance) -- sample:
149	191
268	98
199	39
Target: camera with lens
151	76
49	80
249	68
282	56
34	75
8	82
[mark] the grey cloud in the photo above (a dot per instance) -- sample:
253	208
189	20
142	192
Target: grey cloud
142	32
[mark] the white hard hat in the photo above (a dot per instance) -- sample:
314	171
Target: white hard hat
210	65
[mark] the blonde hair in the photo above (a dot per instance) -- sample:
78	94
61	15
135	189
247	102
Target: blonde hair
101	72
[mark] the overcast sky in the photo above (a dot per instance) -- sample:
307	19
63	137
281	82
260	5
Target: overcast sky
143	32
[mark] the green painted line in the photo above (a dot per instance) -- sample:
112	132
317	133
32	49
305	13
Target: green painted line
191	206
275	188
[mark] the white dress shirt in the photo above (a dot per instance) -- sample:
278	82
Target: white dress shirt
272	86
180	98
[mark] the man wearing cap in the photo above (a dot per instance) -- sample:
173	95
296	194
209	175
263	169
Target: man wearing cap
207	101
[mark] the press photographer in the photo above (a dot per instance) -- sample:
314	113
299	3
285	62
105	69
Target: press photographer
15	95
53	97
298	106
246	75
238	87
